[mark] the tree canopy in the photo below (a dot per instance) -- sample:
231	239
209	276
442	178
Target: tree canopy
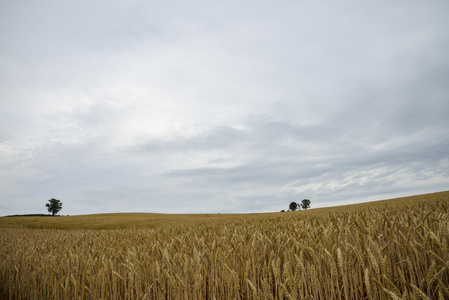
293	206
54	206
305	204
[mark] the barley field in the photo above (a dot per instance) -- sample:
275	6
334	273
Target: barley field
392	249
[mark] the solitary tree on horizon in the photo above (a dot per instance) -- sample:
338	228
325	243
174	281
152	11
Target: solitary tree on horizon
54	206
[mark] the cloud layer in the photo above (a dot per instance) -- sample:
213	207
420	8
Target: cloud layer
220	107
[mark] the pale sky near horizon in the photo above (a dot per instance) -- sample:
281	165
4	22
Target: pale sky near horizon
231	106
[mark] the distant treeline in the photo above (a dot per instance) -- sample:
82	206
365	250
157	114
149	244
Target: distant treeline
30	215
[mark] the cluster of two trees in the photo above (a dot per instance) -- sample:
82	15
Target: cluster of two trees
305	204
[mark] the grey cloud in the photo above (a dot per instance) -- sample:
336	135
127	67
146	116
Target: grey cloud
220	138
216	106
275	164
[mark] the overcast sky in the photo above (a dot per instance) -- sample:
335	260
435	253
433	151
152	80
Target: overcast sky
221	106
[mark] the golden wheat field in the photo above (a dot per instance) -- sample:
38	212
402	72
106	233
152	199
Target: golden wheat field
393	249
